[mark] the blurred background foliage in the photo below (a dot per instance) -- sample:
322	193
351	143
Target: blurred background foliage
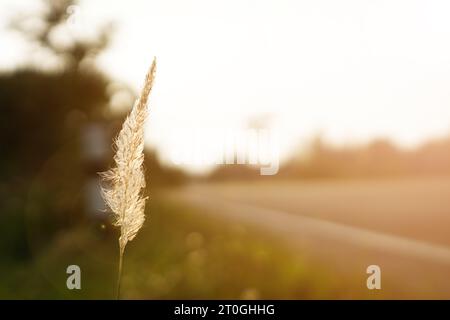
56	134
378	159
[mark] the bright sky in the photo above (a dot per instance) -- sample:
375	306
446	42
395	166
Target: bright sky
352	70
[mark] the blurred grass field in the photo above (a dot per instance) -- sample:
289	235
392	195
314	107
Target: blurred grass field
178	255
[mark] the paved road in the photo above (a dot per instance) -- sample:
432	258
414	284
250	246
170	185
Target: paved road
403	226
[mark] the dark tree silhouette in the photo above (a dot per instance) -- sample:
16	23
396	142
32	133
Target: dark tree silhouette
56	133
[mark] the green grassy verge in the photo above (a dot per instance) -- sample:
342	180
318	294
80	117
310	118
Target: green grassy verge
179	254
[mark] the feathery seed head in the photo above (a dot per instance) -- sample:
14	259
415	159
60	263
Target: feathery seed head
123	195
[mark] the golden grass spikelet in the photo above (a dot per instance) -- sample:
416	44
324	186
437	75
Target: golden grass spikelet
125	182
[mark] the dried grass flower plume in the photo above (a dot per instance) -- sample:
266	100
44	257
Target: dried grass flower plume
125	182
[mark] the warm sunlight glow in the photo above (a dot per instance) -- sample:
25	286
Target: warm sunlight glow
351	70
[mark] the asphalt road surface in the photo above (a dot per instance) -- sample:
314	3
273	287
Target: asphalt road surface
401	225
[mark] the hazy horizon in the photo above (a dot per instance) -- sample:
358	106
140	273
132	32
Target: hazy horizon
353	70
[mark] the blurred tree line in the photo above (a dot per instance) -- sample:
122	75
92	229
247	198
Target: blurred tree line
56	134
378	159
